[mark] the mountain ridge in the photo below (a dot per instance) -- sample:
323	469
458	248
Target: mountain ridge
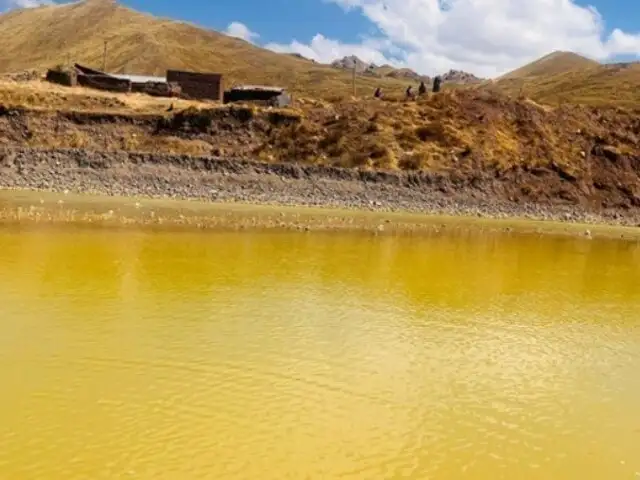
388	71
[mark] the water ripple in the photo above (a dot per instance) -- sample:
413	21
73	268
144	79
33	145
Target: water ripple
316	357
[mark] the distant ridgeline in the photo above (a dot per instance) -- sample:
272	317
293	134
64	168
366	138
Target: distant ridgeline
371	69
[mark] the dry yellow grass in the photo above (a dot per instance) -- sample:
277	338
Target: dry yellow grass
564	77
40	95
137	43
525	149
551	64
43	37
441	132
436	132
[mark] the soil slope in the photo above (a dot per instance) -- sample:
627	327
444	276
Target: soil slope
475	141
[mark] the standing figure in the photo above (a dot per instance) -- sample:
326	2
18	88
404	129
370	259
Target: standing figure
436	84
409	93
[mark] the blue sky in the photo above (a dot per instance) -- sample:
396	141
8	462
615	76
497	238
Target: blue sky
283	20
274	20
485	37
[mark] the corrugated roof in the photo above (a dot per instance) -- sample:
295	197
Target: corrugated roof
265	88
138	78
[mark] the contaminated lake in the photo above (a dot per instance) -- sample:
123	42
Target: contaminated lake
130	353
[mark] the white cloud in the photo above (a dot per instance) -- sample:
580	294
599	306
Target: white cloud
11	4
622	43
240	30
322	49
485	37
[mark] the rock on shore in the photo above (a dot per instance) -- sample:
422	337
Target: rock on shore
233	180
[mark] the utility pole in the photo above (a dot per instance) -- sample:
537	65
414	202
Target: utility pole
104	57
353	79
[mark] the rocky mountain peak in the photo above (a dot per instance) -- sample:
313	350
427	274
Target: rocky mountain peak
362	67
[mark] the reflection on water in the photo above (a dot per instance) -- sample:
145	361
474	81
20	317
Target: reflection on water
273	356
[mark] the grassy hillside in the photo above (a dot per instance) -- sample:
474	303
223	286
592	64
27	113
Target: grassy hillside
564	77
139	43
551	64
42	37
603	85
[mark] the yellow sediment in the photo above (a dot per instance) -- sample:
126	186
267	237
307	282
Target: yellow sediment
46	208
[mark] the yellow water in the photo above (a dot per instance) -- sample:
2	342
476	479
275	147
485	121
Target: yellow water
126	354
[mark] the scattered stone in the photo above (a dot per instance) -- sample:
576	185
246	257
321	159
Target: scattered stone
168	176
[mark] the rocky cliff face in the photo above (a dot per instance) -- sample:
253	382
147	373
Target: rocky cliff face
349	62
458	76
408	74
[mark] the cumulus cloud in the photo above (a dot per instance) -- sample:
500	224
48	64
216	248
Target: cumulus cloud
622	43
323	49
240	30
11	4
485	37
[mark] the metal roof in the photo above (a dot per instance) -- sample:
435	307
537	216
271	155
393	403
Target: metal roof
138	78
264	88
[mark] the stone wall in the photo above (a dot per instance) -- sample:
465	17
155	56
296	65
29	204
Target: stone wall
198	85
68	79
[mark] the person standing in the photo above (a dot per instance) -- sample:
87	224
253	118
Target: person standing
409	93
436	84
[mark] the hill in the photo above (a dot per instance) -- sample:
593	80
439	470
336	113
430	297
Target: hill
551	64
603	85
563	77
42	37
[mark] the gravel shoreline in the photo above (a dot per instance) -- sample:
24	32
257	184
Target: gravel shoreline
229	180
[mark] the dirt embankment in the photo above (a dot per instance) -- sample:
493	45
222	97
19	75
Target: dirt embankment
459	152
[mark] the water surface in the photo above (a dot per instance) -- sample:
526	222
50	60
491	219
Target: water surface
127	354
